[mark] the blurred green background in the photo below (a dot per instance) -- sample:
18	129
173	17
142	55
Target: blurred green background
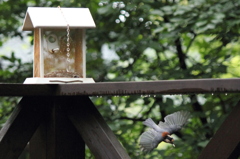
140	40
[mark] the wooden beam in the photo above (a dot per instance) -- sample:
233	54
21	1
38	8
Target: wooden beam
152	87
124	88
226	142
28	89
20	127
93	129
57	137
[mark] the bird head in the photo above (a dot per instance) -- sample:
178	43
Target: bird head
169	140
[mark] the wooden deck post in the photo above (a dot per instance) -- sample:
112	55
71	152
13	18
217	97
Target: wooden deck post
56	137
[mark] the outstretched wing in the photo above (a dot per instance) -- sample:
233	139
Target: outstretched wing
174	122
150	123
150	140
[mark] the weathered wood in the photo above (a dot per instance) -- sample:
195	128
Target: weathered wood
153	87
226	142
57	137
93	129
20	127
124	88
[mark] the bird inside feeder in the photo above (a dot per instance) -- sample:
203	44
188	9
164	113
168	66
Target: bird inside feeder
60	54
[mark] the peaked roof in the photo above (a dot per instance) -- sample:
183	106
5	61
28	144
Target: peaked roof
46	17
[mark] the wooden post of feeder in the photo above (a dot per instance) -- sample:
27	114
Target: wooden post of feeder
36	58
79	55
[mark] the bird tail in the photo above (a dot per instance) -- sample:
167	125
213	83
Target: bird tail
150	123
149	140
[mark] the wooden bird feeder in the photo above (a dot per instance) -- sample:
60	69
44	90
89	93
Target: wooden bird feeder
59	43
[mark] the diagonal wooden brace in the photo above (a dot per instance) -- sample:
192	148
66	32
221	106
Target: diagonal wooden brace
226	142
94	130
20	127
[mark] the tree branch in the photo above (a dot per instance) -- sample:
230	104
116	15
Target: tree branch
195	104
180	53
192	40
132	119
198	108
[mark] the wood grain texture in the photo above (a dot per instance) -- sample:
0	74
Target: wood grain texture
94	131
20	127
153	87
37	51
124	88
225	144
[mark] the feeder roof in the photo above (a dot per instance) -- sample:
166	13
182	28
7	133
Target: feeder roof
46	17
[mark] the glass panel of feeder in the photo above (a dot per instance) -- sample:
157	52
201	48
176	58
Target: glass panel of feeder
58	62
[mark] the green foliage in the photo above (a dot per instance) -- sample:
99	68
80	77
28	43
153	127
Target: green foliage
15	71
152	40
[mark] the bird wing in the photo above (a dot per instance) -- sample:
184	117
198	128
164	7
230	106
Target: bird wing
150	123
174	122
150	140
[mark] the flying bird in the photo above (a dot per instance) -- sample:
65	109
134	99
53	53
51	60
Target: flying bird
161	132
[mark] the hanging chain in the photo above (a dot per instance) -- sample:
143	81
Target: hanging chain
68	41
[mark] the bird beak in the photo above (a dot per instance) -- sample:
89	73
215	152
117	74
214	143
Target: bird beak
173	143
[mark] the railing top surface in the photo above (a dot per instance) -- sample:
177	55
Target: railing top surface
185	86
